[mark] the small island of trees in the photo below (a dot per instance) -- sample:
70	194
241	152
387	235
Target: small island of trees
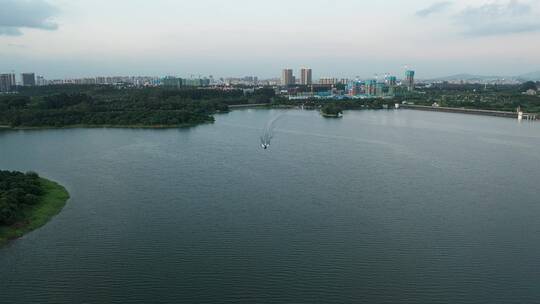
27	202
331	110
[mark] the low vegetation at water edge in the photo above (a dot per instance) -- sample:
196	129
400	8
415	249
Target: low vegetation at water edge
27	202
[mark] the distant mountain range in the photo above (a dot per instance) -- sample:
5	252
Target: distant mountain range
534	76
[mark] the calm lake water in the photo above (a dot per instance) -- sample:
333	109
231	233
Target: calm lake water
377	207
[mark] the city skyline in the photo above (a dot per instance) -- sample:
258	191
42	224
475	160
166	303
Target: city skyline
62	39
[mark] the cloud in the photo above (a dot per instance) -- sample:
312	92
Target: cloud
18	14
434	8
496	18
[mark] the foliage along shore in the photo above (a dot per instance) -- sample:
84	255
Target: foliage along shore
27	202
107	106
106	126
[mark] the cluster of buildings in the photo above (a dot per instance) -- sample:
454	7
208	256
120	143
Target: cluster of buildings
288	78
329	87
300	87
8	82
177	82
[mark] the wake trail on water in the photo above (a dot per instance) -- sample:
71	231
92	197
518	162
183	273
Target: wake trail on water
269	131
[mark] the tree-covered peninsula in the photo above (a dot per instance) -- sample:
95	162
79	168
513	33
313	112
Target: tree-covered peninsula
27	202
107	106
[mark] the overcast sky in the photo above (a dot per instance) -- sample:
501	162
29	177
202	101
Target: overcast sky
72	38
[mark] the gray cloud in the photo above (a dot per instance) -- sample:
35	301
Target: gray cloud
434	8
18	14
498	18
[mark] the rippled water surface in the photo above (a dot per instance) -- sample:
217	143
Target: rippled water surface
378	207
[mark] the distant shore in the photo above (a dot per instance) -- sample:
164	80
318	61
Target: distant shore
52	202
4	127
468	111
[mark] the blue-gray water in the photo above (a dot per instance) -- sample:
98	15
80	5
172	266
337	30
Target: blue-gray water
377	207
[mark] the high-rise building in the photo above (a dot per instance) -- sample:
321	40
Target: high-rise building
28	79
7	82
391	82
371	87
40	80
409	80
287	77
379	89
306	76
172	82
354	87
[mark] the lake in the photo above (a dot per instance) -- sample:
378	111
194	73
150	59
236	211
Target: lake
378	207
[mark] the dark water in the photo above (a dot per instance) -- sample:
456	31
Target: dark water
379	207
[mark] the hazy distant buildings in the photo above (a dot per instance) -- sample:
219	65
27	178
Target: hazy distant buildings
391	82
354	87
306	76
287	77
409	80
371	87
7	82
196	82
172	82
177	83
40	81
246	81
328	81
28	79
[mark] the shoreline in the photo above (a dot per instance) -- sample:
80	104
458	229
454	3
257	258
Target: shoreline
326	115
157	127
493	113
52	203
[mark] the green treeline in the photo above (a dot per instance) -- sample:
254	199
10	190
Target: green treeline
61	106
477	96
332	109
470	96
18	191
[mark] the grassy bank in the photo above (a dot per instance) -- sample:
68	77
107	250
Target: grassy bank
51	204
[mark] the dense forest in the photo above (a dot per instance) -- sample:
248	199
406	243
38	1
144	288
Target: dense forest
17	192
61	106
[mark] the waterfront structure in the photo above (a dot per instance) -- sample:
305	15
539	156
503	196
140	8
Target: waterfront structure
7	82
28	79
409	80
287	77
306	75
